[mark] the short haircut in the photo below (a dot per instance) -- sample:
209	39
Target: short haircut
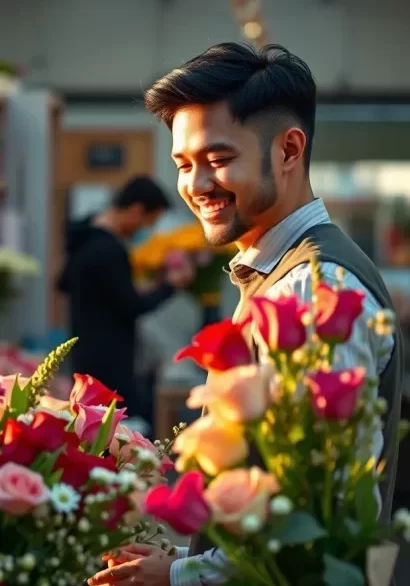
252	82
141	190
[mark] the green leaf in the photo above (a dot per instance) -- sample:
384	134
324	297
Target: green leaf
44	464
300	528
352	526
6	416
101	440
19	398
367	508
340	573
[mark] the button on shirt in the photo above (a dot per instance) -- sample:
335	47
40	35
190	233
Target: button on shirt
364	347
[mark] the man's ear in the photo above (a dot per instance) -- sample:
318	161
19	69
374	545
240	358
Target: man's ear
292	143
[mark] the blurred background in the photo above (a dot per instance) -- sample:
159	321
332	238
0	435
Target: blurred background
73	130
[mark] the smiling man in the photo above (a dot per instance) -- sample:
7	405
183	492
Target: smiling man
242	124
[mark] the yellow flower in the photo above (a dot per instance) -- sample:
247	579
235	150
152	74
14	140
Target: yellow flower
151	254
237	395
215	446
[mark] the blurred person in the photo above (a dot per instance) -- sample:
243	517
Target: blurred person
103	301
242	124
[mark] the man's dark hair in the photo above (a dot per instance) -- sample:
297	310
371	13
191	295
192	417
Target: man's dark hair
142	190
271	80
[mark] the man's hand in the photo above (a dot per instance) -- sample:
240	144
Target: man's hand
136	565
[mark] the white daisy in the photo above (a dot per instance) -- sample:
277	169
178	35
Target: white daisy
64	498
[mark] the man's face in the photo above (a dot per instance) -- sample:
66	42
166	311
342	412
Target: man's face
223	175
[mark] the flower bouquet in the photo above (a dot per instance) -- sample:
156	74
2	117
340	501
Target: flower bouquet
186	244
281	471
72	478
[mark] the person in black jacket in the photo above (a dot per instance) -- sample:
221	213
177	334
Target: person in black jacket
103	301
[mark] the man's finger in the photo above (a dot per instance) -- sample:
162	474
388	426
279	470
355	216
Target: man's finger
120	558
114	575
138	549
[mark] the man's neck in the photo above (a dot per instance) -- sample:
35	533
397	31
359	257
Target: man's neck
107	221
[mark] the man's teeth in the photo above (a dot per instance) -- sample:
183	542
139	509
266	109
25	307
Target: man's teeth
214	207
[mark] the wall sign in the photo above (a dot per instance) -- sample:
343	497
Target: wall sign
105	156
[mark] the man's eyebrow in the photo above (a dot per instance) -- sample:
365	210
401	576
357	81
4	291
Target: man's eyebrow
213	147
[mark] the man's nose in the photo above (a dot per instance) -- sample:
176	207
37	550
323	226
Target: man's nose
199	183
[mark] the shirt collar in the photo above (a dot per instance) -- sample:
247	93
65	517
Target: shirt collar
268	250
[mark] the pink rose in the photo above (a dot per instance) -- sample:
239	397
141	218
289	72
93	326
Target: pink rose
238	395
335	394
234	494
182	507
279	321
336	312
21	489
89	419
135	440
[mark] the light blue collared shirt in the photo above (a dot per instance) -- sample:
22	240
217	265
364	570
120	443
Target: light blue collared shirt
364	347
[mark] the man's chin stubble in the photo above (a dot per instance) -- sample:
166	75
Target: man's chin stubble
225	236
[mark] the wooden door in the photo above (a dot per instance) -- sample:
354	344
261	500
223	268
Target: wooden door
74	168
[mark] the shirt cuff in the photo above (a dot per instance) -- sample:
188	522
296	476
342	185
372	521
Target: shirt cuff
186	571
182	552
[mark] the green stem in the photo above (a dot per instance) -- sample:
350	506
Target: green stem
261	445
230	550
327	497
276	573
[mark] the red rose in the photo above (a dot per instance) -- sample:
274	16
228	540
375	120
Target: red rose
280	321
90	391
335	394
183	507
49	431
218	347
21	443
336	312
16	444
76	466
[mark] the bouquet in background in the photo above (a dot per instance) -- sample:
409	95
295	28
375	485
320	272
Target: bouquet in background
281	472
167	250
72	478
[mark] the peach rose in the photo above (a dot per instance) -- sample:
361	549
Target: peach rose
215	445
134	439
237	395
21	489
238	493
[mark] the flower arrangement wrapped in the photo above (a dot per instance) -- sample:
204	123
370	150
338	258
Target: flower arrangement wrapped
72	478
281	470
184	244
